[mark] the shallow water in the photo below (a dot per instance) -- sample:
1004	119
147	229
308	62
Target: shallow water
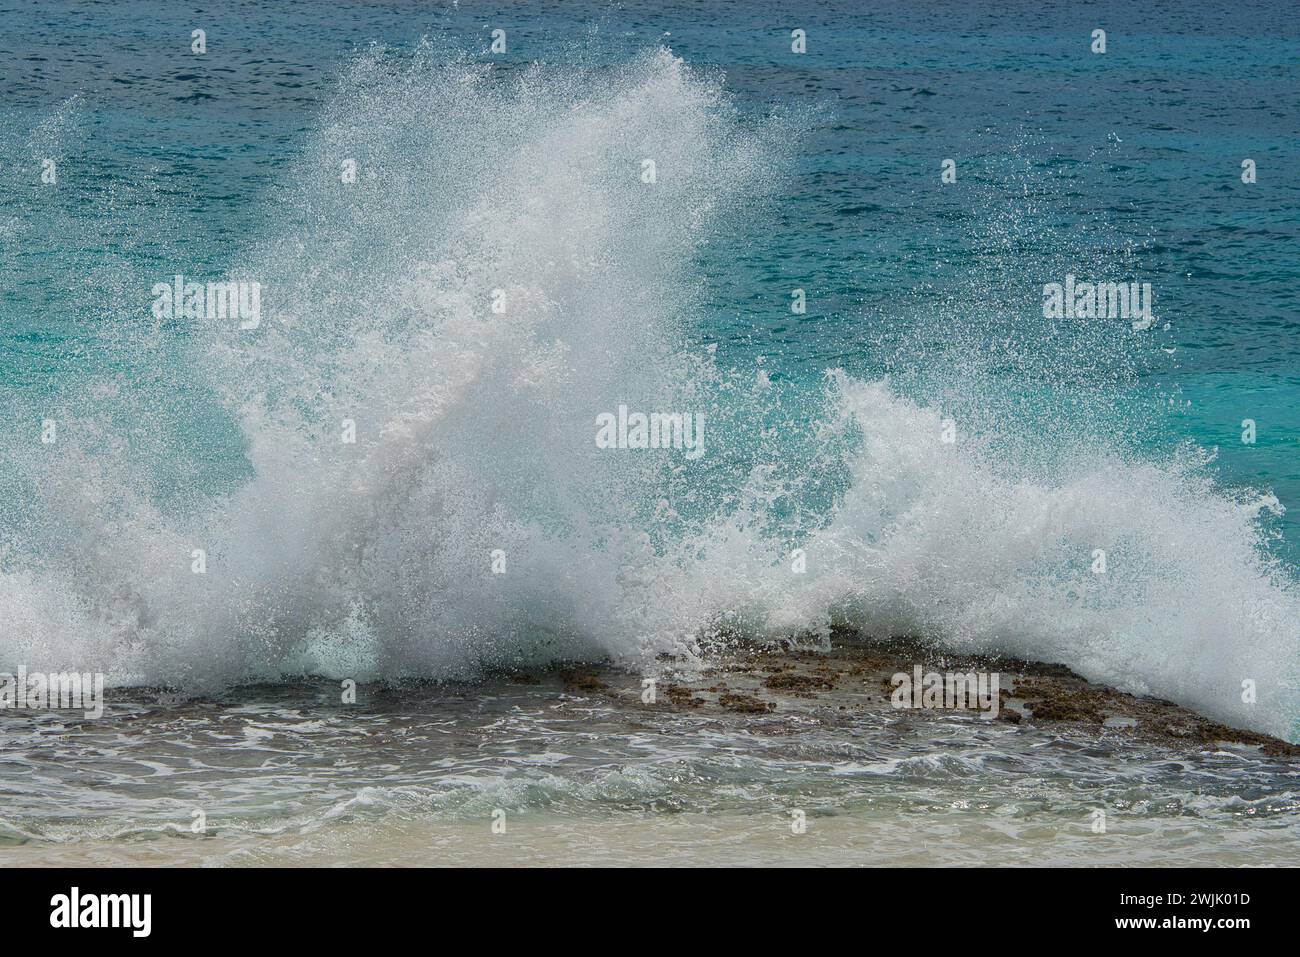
289	775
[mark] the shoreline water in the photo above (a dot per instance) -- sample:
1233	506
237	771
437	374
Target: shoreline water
692	840
758	756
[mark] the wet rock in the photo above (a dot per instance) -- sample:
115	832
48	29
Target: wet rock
796	683
745	703
580	680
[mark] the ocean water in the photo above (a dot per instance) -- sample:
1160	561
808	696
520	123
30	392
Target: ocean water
517	177
503	773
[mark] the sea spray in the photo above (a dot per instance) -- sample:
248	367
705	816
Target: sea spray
496	275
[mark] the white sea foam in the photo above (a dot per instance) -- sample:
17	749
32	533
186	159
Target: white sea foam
474	433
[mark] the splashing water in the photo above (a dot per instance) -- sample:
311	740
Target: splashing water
475	432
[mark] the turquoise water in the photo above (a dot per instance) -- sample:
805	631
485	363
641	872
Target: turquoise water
777	171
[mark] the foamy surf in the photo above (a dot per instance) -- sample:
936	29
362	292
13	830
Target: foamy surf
475	435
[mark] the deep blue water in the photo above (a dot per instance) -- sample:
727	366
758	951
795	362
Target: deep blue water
1124	165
